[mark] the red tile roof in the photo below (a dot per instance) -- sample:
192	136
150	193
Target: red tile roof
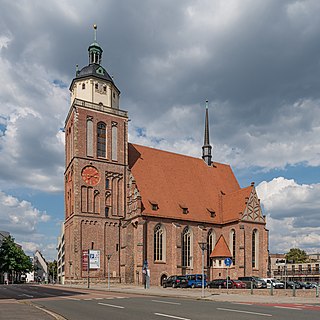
176	182
221	250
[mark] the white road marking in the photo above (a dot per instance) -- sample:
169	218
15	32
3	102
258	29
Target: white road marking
170	316
168	302
98	298
119	297
110	305
25	295
89	299
70	298
291	308
249	312
242	303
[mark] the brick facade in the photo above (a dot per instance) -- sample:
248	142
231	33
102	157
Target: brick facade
109	209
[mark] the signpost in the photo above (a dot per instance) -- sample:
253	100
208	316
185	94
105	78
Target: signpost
90	260
228	263
94	259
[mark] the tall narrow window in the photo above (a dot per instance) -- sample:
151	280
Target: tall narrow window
89	137
232	245
101	140
114	142
211	244
255	247
186	248
159	243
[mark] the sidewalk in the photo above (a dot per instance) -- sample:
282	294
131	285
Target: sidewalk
235	295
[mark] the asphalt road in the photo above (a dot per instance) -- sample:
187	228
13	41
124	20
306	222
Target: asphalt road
84	304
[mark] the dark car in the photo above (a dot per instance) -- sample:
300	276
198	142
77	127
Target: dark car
304	285
290	284
175	282
238	284
257	283
219	283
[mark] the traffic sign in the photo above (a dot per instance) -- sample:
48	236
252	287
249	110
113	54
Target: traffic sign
228	262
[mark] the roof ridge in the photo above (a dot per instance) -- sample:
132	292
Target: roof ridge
178	154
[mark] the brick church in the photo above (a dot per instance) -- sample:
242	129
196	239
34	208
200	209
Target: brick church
137	205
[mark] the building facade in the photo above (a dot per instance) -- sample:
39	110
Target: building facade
61	257
287	270
147	209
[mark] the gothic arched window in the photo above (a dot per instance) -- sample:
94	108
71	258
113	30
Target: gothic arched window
159	243
101	140
187	247
211	244
233	245
255	248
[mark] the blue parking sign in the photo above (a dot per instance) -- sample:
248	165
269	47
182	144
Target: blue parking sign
228	262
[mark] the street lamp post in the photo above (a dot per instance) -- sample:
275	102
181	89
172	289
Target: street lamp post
109	257
203	247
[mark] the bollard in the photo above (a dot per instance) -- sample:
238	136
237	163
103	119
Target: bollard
294	291
317	292
271	290
251	287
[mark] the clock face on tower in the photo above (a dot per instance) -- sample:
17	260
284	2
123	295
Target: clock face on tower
90	175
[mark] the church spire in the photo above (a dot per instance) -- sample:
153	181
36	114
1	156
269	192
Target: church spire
206	148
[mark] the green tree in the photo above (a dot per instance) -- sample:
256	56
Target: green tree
13	259
53	270
296	255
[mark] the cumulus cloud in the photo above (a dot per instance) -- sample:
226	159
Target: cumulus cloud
297	208
257	62
19	216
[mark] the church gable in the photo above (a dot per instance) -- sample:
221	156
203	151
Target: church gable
253	210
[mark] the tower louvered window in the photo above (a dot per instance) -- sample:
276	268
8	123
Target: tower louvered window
101	140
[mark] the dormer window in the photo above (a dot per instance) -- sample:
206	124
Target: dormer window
184	208
154	205
211	212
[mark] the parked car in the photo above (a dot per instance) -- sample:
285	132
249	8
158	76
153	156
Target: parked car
238	284
219	283
256	282
304	285
274	283
290	284
175	282
195	280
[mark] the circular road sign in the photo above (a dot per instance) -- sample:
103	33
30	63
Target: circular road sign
228	262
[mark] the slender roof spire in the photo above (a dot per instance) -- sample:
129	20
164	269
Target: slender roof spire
206	149
206	128
95	32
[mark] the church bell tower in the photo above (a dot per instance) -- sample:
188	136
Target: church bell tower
96	139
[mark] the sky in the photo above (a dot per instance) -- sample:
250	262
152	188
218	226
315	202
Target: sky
257	62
